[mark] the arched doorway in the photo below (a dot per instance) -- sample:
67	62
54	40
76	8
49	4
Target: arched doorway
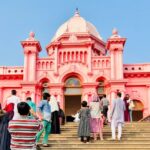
44	86
101	87
137	113
72	97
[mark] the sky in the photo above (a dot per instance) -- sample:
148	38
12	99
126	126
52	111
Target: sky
19	17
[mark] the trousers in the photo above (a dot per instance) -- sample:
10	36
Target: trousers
113	130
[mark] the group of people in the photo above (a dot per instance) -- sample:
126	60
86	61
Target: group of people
93	116
129	104
23	123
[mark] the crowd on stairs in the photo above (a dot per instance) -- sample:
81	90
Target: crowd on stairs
22	123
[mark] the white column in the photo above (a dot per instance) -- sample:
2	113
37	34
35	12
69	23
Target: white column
112	65
56	60
25	78
119	65
89	59
32	66
66	59
62	57
82	57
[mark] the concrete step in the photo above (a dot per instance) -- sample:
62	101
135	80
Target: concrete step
136	136
93	148
101	145
87	146
105	141
105	135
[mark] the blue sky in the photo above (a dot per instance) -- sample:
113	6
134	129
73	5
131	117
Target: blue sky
18	18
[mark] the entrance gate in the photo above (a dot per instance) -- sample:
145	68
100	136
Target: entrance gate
72	96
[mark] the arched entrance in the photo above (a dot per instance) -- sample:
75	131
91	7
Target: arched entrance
101	87
44	86
72	97
137	113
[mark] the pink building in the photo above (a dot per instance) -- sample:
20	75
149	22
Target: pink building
79	63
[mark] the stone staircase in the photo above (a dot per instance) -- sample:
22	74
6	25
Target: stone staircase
136	136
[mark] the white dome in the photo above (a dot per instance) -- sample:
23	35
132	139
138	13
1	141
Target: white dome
76	24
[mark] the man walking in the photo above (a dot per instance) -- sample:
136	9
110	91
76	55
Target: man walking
44	114
117	116
105	104
14	100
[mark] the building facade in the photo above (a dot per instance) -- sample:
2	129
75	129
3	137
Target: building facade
79	63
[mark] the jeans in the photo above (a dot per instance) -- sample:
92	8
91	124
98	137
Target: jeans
47	128
130	113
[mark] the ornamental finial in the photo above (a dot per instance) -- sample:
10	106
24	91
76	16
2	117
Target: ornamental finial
31	34
77	12
115	31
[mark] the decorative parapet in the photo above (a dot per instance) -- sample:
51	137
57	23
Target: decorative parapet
136	68
11	70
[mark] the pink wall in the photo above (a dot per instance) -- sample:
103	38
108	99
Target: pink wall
83	58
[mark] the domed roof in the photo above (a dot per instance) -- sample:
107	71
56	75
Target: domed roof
77	24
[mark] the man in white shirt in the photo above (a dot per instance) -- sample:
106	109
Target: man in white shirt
117	116
15	100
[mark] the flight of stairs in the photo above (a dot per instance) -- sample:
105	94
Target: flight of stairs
136	136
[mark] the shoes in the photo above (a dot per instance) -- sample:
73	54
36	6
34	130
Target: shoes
38	147
83	141
119	139
45	145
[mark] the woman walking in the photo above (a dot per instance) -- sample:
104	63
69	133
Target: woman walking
55	124
84	125
96	121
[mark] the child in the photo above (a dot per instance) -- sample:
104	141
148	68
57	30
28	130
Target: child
84	125
76	117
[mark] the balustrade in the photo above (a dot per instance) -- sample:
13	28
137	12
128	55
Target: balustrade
45	64
100	62
72	56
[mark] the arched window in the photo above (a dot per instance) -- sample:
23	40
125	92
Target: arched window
100	89
45	87
72	86
72	82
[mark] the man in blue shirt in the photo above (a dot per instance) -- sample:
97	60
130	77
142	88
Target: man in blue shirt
44	114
